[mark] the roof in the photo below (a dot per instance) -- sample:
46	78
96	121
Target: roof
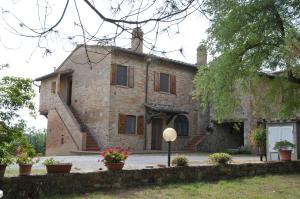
63	72
115	48
125	50
164	108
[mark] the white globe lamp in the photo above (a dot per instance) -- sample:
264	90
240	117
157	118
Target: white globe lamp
169	136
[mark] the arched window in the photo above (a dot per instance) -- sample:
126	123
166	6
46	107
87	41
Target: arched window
181	124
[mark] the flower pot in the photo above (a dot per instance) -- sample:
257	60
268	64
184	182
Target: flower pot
59	168
285	155
25	169
114	166
2	169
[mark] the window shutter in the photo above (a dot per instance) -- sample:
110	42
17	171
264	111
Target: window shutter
156	81
140	123
130	77
122	123
113	78
173	84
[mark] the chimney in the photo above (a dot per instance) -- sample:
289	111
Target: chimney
137	40
201	54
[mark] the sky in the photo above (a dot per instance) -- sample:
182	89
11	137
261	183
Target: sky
28	60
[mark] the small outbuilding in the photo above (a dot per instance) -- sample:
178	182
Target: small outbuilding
279	131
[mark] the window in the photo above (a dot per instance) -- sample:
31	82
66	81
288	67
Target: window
122	75
164	82
181	125
130	124
53	87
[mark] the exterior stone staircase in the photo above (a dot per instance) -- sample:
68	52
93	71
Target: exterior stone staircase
91	144
70	121
193	143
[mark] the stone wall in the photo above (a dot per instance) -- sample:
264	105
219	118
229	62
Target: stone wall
47	185
222	138
130	101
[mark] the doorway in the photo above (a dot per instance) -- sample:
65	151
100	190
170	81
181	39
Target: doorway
156	137
69	91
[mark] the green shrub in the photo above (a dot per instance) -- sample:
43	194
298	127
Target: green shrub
5	157
50	161
258	136
220	158
283	145
180	161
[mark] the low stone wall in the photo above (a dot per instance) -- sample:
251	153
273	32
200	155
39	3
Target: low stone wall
35	186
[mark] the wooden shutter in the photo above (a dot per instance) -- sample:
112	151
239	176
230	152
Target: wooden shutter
156	81
140	125
130	77
121	123
113	78
173	84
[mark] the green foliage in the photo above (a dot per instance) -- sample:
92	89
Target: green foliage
284	144
258	136
180	161
15	94
220	158
50	161
37	138
5	157
26	156
245	39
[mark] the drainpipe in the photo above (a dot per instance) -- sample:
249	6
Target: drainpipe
148	60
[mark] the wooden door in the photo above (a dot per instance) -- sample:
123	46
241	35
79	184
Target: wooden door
156	134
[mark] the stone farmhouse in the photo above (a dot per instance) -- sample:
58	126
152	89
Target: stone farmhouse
103	96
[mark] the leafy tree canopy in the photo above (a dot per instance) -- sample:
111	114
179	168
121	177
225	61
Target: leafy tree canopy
15	94
247	40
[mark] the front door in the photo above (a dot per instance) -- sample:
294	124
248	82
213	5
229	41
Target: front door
156	134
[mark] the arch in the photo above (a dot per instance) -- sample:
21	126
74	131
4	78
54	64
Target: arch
181	125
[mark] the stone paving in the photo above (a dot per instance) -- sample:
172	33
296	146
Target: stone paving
89	163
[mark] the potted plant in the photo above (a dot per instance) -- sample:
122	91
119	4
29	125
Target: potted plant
285	150
220	158
114	158
180	161
5	160
258	138
25	160
54	166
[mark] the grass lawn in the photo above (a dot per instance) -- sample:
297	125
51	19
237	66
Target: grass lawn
264	187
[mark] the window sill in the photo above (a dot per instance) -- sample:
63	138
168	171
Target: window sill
166	93
121	86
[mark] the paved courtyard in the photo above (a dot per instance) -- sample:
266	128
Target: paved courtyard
89	163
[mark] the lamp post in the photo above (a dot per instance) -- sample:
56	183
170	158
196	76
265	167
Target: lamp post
169	136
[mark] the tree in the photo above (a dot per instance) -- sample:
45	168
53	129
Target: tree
37	138
115	18
248	41
15	94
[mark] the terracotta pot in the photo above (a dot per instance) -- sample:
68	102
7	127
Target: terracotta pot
285	155
114	166
59	168
2	169
25	169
